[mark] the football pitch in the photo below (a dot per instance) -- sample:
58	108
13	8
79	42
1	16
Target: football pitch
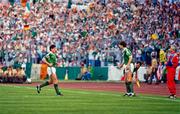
16	99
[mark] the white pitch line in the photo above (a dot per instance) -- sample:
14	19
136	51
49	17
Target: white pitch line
106	94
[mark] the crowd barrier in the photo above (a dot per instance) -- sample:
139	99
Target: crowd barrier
110	73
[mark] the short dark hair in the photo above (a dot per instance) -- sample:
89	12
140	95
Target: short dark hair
123	43
52	46
139	62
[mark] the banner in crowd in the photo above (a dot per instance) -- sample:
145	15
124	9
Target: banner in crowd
38	71
116	74
35	71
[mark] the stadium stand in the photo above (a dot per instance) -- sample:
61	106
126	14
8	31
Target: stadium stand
87	31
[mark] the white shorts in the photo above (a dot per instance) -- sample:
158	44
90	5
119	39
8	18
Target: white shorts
131	67
51	70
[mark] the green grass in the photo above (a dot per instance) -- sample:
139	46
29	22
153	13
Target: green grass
25	100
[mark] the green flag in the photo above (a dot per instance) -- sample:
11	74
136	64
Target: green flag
28	6
69	4
14	37
12	2
84	33
34	33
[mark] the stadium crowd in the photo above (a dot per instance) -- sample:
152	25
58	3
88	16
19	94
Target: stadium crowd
89	31
12	75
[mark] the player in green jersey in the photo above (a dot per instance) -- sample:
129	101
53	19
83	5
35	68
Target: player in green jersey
127	67
51	60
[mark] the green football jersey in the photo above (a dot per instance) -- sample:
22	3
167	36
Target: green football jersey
51	58
126	55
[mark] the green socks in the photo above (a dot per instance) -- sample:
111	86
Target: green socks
57	89
44	84
129	87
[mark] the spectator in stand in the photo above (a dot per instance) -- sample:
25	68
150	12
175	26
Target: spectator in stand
9	75
162	57
160	72
1	73
85	73
92	55
20	75
154	67
147	76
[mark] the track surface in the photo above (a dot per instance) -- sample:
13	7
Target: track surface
153	89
